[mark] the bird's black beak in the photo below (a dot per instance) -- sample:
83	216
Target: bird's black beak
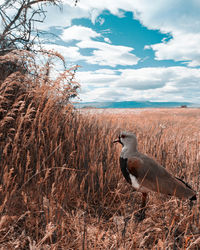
117	140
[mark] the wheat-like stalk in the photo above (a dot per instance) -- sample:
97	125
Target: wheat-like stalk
61	185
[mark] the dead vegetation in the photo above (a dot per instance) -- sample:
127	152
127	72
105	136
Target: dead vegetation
61	187
60	183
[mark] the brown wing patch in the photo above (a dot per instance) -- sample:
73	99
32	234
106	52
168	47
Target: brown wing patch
133	165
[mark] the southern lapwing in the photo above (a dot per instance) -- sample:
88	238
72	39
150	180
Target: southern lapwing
145	174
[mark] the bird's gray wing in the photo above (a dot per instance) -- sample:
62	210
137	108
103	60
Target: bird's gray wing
153	176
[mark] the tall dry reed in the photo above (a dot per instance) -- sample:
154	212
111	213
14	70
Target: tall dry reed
61	186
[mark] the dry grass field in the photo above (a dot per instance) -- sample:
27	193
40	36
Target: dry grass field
60	181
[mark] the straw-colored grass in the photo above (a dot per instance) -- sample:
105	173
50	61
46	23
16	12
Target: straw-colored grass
61	186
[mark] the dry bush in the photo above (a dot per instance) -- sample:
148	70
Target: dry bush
61	187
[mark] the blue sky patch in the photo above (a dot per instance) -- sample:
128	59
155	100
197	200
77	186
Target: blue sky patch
126	48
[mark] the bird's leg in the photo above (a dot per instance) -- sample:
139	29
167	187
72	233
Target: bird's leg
143	207
141	215
191	204
126	220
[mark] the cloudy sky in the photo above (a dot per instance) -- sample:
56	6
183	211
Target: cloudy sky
130	49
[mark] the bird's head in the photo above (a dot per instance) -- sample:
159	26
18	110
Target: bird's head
127	139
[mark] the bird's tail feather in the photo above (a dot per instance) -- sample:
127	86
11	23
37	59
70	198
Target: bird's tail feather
194	197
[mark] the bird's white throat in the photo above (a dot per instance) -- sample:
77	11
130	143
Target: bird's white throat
128	151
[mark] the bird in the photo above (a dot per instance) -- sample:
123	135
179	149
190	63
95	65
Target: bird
146	175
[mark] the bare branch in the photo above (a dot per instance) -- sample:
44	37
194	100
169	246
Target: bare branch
18	29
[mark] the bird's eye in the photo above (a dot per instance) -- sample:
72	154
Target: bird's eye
123	136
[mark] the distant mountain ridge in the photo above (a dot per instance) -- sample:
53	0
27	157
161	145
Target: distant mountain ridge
133	104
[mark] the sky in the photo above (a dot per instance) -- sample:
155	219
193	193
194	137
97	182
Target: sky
130	50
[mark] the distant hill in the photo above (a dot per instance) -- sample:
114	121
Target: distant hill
133	104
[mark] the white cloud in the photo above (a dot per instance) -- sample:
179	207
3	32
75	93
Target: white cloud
107	54
179	18
107	40
145	78
99	78
106	71
168	15
62	17
162	14
78	32
103	53
165	15
183	47
172	84
94	13
101	20
69	53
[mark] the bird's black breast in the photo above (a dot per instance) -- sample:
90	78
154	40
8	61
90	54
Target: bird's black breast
123	166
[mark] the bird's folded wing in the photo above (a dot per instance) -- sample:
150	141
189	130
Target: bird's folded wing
154	177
